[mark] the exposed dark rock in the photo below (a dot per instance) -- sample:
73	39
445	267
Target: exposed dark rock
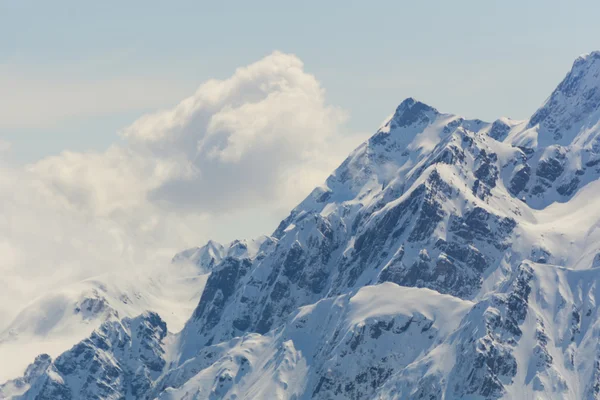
550	169
520	179
499	130
569	188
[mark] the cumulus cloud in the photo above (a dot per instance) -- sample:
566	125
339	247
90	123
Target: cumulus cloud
265	132
226	162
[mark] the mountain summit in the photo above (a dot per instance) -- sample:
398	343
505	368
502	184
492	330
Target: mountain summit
445	258
573	105
411	111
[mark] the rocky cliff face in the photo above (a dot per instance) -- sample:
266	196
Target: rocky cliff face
445	258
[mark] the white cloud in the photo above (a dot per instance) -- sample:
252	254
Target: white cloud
226	162
264	134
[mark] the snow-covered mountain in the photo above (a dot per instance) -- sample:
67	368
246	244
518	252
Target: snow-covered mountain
445	258
58	319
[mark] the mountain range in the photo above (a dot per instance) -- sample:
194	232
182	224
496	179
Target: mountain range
445	258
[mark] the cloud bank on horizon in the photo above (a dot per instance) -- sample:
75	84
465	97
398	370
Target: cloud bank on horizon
238	149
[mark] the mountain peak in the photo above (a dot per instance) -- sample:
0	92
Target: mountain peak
584	75
411	111
408	102
585	58
575	99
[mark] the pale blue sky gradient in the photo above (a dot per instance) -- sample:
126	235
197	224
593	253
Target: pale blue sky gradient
99	65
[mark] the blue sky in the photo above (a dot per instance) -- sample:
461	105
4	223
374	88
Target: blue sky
73	73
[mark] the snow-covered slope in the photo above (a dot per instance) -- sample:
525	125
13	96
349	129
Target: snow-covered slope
445	258
340	347
53	322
